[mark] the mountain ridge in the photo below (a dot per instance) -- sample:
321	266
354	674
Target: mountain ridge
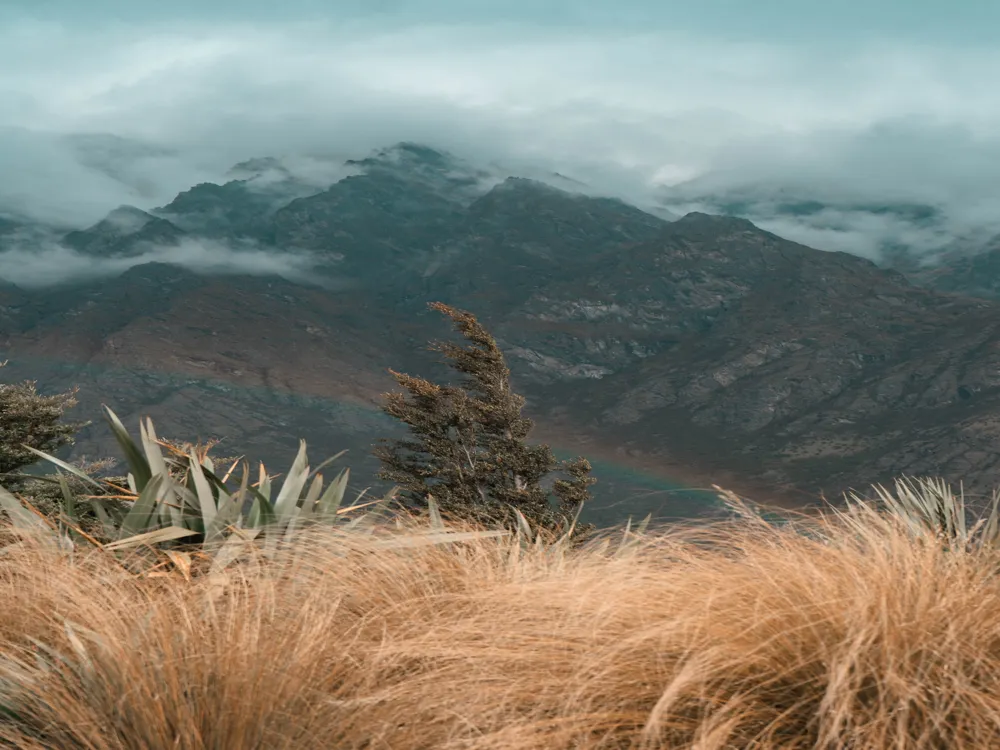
705	344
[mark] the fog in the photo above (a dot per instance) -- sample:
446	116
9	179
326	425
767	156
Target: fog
39	263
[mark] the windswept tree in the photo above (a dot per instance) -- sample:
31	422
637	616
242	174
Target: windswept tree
28	418
467	445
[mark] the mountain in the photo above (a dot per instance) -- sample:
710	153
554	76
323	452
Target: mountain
427	169
375	225
973	270
125	231
803	368
775	201
702	350
524	234
909	236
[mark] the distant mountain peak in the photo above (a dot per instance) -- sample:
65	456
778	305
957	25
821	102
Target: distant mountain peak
527	183
122	221
122	231
418	151
700	219
518	192
693	217
251	168
444	173
418	160
409	152
129	217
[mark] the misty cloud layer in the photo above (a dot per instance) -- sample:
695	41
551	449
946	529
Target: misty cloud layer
45	264
676	113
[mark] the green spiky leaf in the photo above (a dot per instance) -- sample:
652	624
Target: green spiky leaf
137	463
67	467
291	487
143	511
332	498
206	501
155	536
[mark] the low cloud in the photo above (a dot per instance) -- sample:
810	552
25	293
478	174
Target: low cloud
37	264
316	173
70	182
678	118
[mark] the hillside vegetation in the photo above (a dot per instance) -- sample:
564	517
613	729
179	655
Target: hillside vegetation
188	605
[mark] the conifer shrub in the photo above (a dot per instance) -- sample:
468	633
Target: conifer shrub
29	420
467	448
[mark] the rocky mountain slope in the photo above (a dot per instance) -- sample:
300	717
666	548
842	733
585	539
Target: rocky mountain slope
704	350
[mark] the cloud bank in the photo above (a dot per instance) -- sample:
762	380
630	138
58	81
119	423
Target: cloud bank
671	113
42	263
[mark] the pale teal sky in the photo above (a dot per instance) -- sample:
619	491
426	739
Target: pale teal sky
881	100
958	20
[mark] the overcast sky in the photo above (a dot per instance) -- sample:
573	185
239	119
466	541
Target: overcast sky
881	100
764	20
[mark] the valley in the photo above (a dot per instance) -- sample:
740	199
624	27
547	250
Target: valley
698	351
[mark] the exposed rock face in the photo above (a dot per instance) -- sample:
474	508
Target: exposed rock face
817	370
706	346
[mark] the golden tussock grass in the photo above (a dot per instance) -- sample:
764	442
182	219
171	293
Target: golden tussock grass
845	634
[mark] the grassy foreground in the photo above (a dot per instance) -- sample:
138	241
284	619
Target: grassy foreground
844	631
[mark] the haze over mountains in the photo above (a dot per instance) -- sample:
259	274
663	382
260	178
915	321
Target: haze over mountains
269	306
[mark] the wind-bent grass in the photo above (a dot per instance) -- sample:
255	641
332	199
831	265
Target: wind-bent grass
851	633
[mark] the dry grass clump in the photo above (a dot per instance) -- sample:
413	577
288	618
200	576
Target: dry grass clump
836	632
